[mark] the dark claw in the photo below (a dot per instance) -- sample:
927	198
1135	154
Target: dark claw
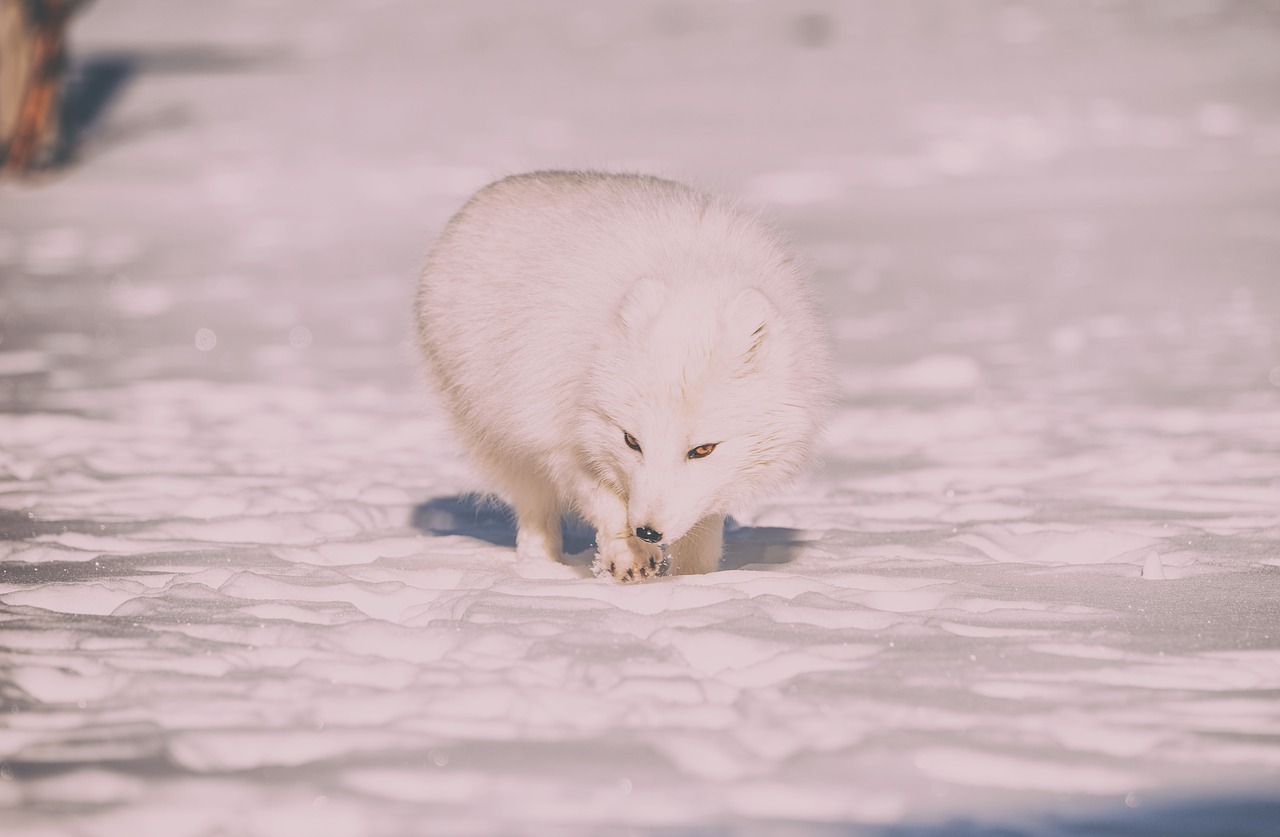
631	574
653	563
613	568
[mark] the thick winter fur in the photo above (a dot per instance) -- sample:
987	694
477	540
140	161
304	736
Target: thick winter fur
569	317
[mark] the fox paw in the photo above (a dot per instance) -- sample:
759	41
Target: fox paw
629	559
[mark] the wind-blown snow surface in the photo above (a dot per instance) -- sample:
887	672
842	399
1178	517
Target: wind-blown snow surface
1034	589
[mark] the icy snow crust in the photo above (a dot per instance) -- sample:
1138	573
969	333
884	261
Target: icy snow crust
1035	589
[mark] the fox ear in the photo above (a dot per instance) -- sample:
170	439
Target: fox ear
748	325
641	305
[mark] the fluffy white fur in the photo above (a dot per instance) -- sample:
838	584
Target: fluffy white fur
560	311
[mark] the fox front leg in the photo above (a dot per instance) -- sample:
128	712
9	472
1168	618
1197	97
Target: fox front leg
698	551
619	553
628	558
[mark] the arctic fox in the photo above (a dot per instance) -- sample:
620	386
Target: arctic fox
627	348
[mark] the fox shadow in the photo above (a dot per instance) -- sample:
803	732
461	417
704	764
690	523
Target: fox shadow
493	521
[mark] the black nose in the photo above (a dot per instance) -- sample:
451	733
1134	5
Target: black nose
644	533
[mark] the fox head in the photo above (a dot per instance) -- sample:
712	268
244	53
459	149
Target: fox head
699	401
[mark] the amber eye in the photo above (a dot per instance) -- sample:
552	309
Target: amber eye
631	441
701	451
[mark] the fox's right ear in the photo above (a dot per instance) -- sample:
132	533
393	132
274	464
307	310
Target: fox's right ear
641	305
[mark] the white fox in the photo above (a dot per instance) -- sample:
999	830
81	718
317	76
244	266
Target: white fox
626	348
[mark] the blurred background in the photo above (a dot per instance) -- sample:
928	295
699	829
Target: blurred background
252	167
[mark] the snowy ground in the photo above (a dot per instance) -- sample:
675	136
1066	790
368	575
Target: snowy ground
1035	588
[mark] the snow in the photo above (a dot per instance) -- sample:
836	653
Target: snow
1034	588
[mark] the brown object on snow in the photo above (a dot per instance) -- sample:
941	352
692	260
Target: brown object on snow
31	64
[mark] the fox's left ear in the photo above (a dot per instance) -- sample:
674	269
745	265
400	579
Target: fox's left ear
749	322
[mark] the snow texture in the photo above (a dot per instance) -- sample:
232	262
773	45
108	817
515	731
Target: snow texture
1035	588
